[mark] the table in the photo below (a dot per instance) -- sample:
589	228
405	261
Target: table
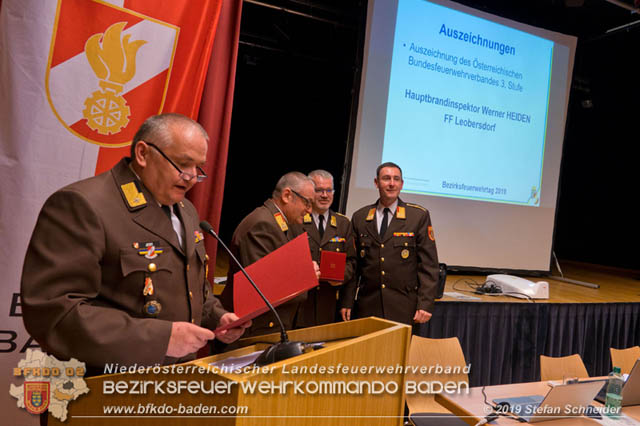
472	408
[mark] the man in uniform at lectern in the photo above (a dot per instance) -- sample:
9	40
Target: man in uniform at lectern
116	268
397	258
267	228
330	231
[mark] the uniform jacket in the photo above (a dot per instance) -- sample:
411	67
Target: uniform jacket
256	236
398	274
87	266
320	306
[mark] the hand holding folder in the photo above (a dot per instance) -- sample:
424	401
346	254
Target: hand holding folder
332	266
281	275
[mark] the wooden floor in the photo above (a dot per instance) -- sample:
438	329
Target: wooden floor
616	285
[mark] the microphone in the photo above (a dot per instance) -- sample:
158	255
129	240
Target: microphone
278	351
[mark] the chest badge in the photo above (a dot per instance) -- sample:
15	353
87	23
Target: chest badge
150	251
404	253
152	308
148	287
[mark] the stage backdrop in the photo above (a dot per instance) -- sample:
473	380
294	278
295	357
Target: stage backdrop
215	117
77	79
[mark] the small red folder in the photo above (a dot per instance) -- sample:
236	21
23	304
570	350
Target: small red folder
332	264
281	275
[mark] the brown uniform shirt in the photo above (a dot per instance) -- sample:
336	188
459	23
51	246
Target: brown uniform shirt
87	266
256	236
320	306
397	274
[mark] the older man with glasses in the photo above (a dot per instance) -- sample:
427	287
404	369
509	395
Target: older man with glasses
328	231
116	268
267	228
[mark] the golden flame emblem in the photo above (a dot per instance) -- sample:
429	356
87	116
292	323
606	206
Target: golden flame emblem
113	60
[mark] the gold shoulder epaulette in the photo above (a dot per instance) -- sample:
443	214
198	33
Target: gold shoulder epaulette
340	214
416	206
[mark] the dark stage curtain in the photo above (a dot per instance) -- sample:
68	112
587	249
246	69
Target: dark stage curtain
504	341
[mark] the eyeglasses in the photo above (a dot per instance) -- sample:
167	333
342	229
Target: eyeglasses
183	175
305	200
323	190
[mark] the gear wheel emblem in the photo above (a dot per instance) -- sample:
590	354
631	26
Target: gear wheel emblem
106	112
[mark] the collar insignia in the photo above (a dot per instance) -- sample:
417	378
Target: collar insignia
134	197
371	214
401	213
281	222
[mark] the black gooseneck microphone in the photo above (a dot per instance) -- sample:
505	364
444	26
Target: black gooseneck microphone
278	351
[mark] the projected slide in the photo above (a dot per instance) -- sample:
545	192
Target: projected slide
467	105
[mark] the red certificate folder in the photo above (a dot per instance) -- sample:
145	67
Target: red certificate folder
281	275
332	264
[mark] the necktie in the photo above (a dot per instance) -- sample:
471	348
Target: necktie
321	225
385	222
174	221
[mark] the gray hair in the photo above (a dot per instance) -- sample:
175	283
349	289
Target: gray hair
292	180
321	174
157	129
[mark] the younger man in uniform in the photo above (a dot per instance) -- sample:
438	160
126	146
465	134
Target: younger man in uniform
397	257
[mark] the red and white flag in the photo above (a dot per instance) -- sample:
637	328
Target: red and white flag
77	78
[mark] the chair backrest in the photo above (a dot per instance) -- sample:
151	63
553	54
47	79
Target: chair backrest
558	368
624	358
441	361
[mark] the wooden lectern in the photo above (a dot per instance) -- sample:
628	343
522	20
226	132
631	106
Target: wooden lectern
340	395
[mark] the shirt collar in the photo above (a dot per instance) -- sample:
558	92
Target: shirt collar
380	208
316	216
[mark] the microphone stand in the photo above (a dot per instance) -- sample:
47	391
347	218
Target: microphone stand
278	351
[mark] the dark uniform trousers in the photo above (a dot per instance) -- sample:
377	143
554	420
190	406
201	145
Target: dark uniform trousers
321	303
397	273
261	232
